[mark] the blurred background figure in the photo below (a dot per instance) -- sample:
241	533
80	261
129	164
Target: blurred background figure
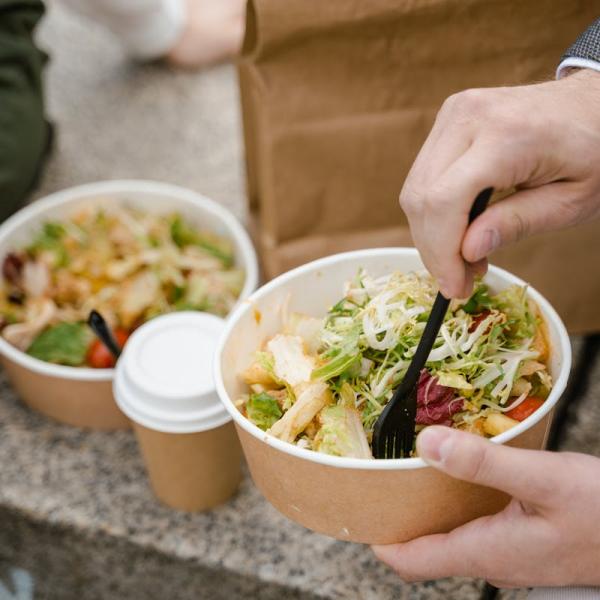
187	33
24	133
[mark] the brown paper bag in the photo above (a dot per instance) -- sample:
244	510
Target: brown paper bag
338	96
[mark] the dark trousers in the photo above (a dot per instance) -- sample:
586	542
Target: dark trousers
24	132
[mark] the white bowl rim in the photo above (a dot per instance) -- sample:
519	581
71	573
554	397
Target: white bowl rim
388	464
121	186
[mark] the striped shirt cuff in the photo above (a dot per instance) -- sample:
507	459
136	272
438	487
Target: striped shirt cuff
573	62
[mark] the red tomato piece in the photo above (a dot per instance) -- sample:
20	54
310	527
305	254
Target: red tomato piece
525	409
99	357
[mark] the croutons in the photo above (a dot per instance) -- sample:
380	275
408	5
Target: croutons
540	341
475	427
497	423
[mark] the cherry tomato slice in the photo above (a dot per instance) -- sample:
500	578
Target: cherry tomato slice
98	355
525	409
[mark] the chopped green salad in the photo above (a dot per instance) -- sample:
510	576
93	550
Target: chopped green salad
130	265
322	382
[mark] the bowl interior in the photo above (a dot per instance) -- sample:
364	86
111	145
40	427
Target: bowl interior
312	289
149	196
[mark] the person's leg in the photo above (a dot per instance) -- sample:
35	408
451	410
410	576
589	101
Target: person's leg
213	32
187	33
24	132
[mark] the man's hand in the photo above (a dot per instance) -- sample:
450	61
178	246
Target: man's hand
547	535
542	139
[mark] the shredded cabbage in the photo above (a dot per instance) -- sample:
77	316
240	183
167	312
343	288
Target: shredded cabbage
367	339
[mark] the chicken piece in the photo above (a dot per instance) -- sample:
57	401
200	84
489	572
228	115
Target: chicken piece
121	236
117	270
70	289
520	386
257	374
135	296
38	315
314	397
529	367
308	328
196	259
291	363
36	278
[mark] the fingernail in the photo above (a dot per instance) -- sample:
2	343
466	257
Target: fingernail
433	444
490	240
444	288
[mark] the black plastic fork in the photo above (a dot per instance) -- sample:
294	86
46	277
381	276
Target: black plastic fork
100	327
394	431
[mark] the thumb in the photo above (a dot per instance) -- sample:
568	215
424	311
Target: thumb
520	215
527	475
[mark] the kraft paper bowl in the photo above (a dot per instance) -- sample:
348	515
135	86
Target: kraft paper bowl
369	501
82	396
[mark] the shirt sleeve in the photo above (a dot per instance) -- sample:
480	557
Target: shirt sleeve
584	53
147	29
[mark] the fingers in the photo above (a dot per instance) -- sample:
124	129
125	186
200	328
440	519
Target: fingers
449	138
521	215
527	475
439	216
458	553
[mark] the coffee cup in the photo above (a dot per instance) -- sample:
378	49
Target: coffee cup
163	383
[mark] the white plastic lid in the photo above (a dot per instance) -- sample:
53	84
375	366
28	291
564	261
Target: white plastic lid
163	379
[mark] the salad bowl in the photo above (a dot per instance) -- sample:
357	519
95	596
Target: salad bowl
82	396
356	499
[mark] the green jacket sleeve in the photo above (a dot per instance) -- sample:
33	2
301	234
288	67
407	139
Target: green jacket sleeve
24	132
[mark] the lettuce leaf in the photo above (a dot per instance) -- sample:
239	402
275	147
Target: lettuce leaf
337	366
50	239
480	300
514	304
63	344
184	235
262	409
341	433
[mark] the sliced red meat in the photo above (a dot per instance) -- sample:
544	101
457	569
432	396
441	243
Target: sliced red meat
12	268
435	403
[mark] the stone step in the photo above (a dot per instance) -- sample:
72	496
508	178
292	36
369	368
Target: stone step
78	515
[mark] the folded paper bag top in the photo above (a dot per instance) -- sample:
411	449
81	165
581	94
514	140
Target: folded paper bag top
164	384
164	380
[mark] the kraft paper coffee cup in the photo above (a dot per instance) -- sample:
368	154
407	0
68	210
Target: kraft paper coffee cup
164	384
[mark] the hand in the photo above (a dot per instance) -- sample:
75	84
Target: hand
546	536
542	139
213	32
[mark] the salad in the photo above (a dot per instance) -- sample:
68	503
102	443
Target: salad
322	383
127	264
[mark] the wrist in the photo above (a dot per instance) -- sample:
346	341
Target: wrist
583	75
